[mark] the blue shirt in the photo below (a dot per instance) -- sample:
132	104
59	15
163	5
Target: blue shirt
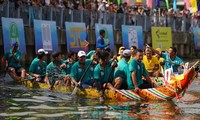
100	43
168	65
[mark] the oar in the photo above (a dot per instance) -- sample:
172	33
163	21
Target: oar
76	88
54	81
109	77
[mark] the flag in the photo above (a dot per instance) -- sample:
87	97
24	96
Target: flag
187	4
149	3
167	4
194	5
158	3
174	5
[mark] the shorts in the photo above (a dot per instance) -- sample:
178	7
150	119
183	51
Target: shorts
88	83
18	70
41	79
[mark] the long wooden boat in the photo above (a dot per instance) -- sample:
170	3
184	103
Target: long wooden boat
169	91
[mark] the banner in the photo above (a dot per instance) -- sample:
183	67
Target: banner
132	36
161	37
13	30
109	33
197	38
75	35
45	35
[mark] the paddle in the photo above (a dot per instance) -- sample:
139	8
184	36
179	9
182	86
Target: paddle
109	77
76	88
54	81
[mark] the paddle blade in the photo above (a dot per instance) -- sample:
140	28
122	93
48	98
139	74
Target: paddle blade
75	91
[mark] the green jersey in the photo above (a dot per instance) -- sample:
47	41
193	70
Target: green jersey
139	69
11	61
123	72
37	68
77	71
103	75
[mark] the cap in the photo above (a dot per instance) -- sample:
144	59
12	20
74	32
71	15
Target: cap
81	53
122	47
104	1
127	53
158	49
42	51
14	44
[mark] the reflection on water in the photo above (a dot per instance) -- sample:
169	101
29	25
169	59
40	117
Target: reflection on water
18	102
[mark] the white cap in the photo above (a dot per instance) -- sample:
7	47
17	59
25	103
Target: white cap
42	50
104	1
81	53
127	53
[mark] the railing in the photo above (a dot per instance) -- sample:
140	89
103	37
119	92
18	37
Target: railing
29	13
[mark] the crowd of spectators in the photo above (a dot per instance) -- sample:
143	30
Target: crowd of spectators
112	7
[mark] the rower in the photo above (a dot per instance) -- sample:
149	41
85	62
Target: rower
14	56
171	58
137	69
38	66
79	68
160	60
104	73
54	70
123	69
133	50
69	63
120	53
151	63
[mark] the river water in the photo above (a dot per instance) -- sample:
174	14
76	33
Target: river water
19	102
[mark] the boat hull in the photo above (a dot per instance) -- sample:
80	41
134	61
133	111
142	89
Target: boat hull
160	93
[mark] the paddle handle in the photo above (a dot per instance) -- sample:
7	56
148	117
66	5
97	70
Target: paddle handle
76	88
85	71
108	79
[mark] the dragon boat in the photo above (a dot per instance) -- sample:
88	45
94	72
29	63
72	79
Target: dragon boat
175	88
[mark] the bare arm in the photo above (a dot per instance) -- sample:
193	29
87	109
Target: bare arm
133	75
47	81
74	81
34	75
155	51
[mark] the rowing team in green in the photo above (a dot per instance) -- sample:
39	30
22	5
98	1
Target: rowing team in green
130	70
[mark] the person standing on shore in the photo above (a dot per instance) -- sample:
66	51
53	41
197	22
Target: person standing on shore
100	40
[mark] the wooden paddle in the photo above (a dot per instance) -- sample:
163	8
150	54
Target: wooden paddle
109	77
76	88
54	81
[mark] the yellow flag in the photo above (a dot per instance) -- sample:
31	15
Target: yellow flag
193	5
138	0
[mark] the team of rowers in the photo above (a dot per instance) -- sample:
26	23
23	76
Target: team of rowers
130	69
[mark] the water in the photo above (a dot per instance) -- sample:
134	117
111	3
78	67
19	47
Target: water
19	102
